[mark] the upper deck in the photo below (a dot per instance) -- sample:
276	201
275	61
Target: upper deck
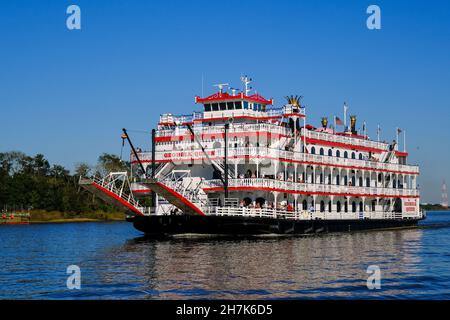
257	129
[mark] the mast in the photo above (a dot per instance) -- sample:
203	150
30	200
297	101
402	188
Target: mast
134	152
153	163
227	125
444	202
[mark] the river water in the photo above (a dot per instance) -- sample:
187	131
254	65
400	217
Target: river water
116	262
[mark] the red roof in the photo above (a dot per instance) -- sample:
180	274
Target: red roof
224	96
401	154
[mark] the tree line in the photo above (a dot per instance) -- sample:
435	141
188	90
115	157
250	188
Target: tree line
32	183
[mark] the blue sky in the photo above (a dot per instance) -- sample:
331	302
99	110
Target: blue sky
67	94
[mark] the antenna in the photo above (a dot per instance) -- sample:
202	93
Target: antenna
203	86
246	81
444	203
234	90
221	86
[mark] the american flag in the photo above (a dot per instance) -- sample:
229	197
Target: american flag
339	122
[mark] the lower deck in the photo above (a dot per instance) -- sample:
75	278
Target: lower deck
238	225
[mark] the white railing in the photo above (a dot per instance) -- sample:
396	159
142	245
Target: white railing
175	119
346	140
307	215
234	128
309	187
253	152
118	186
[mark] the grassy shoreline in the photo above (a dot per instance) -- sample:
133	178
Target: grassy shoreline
77	220
41	216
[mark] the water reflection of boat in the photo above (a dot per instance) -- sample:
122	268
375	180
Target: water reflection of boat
332	265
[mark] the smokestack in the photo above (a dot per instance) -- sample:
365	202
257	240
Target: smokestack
324	122
353	124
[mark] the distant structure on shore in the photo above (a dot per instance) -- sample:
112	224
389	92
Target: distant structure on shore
14	215
444	202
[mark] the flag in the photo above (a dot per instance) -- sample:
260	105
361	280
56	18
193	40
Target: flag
339	122
399	130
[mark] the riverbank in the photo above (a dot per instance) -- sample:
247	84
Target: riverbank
433	207
41	216
74	220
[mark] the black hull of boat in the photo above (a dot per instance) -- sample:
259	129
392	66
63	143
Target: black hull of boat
224	225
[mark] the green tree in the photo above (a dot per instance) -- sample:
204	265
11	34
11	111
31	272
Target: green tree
111	163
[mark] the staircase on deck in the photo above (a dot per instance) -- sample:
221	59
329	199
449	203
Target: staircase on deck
114	190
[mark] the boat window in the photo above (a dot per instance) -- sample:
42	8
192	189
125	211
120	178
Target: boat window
338	206
330	152
313	150
361	209
346	206
305	205
263	108
223	106
215	107
360	156
338	154
207	107
353	155
373	205
329	206
230	105
322	206
321	151
353	206
238	105
345	154
367	182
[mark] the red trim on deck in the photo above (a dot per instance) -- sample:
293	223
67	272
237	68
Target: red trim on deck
142	191
116	197
213	136
401	154
238	118
341	145
305	192
282	160
224	96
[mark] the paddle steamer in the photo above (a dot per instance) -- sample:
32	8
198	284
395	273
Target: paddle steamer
243	166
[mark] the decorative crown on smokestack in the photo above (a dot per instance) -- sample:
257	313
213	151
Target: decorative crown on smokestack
324	122
295	101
